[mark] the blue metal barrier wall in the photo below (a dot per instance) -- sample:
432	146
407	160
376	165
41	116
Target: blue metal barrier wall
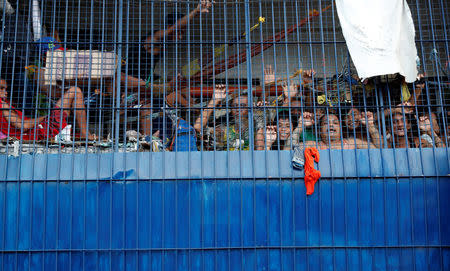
372	210
127	200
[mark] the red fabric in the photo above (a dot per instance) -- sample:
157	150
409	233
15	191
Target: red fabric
53	122
311	174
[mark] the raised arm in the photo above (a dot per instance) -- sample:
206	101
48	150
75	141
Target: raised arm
406	107
220	93
203	7
289	92
307	76
368	120
265	138
16	121
425	129
304	121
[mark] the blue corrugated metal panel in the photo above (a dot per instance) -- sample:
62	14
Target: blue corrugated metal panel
378	163
202	221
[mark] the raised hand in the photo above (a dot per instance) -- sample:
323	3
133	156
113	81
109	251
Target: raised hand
220	92
307	76
425	124
204	6
289	91
269	75
271	135
407	107
367	118
262	104
307	119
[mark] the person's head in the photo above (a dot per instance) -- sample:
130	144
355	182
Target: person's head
352	119
400	125
3	88
433	120
330	127
239	106
172	19
284	125
296	107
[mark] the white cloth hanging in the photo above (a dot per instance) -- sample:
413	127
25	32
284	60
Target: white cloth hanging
36	17
380	37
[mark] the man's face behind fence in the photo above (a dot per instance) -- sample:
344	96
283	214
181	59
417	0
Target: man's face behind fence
284	128
353	119
330	128
240	106
399	124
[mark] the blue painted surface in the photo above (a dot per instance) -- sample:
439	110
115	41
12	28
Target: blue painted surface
166	212
373	163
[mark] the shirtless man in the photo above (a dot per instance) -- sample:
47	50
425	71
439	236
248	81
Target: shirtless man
235	135
330	136
429	130
13	124
399	137
353	121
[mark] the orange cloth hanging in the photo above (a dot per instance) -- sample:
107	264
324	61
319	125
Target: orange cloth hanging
311	174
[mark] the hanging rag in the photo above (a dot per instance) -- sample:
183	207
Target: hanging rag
37	22
380	37
311	174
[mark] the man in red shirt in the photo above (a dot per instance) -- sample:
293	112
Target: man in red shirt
14	124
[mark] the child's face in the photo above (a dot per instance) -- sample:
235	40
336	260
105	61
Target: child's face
399	124
330	128
353	119
3	87
284	128
240	105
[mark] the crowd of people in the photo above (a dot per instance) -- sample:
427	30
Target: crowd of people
233	119
276	123
324	127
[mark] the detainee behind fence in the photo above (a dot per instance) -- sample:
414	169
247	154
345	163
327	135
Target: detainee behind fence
14	124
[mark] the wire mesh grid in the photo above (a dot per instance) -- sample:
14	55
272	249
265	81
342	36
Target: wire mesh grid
196	209
175	76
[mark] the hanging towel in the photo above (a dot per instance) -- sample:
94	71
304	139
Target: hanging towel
37	23
311	174
380	37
